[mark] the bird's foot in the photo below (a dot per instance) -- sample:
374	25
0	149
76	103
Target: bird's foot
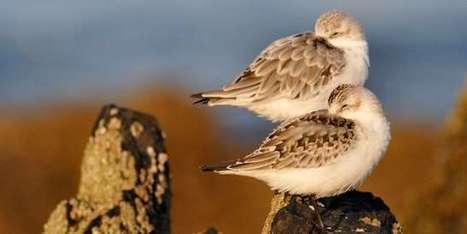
314	206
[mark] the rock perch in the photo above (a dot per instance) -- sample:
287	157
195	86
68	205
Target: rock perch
351	212
125	179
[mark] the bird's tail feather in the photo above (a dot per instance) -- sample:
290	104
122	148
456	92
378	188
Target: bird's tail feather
213	98
216	167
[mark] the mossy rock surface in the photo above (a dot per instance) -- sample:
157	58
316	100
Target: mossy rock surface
125	179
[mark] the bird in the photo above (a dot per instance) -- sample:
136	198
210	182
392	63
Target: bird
294	75
322	153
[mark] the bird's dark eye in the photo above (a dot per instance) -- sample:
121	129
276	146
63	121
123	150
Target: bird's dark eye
335	34
345	106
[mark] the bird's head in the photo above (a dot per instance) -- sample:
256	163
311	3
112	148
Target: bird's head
353	102
339	28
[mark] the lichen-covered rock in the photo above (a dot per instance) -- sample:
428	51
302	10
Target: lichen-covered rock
351	212
124	186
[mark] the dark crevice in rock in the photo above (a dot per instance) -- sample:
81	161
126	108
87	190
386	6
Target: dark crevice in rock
96	222
113	212
68	208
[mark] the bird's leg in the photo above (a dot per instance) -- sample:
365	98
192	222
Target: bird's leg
315	209
285	194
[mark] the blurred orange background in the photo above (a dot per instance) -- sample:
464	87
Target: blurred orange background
41	156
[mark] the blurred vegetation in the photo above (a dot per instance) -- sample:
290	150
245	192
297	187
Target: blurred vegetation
40	154
442	209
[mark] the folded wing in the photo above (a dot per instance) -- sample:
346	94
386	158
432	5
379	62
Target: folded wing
314	140
295	67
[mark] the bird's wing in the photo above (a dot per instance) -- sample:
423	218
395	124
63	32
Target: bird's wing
314	140
295	67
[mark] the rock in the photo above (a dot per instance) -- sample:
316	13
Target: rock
351	212
125	179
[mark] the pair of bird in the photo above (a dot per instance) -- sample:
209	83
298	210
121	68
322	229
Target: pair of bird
333	131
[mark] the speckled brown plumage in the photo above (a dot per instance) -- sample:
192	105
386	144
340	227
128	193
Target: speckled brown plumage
295	67
310	141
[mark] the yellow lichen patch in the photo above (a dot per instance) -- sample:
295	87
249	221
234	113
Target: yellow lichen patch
142	193
108	225
150	151
113	111
159	192
153	167
57	221
397	228
162	160
80	209
162	180
128	217
151	171
142	218
106	169
101	127
136	129
372	222
114	123
80	212
142	175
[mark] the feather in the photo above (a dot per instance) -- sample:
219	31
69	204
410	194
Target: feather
310	141
291	67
